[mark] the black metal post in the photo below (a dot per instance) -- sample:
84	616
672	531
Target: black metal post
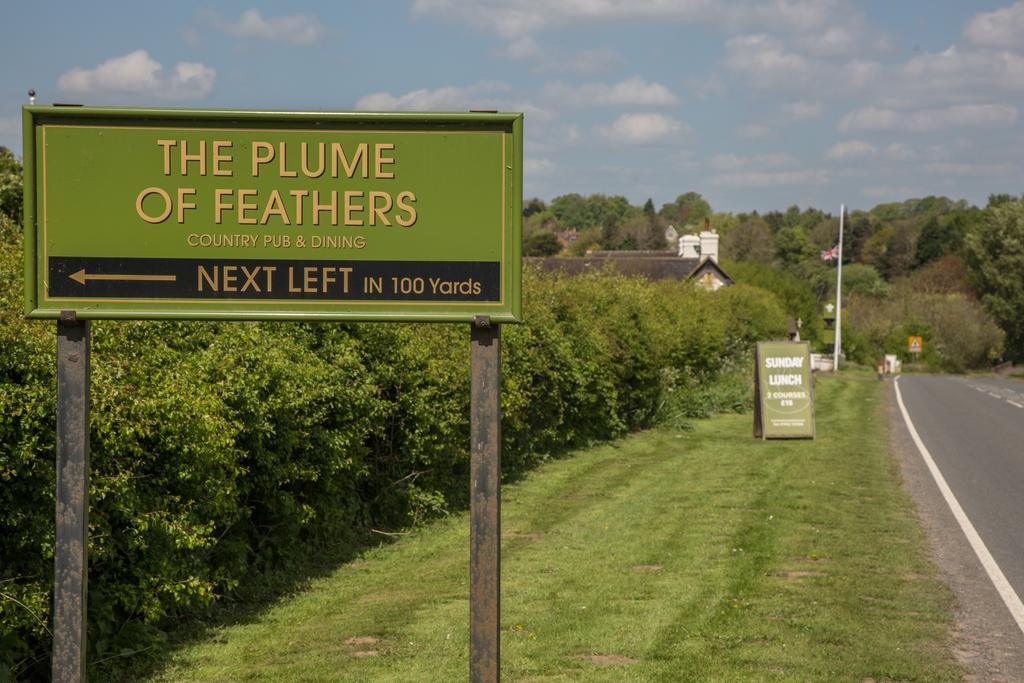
485	502
71	555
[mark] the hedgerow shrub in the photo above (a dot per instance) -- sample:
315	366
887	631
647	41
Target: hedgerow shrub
958	335
224	452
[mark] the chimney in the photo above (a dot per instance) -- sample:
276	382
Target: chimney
689	246
709	245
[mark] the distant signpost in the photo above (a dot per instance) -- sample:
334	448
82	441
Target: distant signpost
783	388
915	344
252	215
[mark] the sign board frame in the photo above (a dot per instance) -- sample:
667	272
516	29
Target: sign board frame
772	418
461	260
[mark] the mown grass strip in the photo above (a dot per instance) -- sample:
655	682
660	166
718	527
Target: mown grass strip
702	555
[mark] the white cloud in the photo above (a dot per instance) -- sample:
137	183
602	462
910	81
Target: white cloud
764	61
767	61
954	75
633	92
733	162
298	29
447	98
830	42
856	74
889	192
1002	28
484	95
898	151
754	131
858	149
851	149
926	120
954	70
761	179
968	169
523	48
532	112
643	128
539	168
516	17
703	88
584	62
544	140
803	111
136	73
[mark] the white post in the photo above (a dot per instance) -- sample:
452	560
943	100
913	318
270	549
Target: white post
839	291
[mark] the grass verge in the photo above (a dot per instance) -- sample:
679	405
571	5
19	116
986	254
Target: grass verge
668	556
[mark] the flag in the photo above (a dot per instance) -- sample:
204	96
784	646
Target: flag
830	254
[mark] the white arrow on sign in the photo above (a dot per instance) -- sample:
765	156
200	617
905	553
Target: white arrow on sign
81	277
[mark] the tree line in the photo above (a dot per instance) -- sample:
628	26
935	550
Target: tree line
908	259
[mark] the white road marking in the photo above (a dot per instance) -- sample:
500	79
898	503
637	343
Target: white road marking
1014	403
1006	592
994	395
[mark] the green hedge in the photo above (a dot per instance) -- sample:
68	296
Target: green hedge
225	452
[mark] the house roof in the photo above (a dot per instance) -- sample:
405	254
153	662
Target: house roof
654	265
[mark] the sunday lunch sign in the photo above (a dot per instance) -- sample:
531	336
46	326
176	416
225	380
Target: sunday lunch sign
161	213
784	400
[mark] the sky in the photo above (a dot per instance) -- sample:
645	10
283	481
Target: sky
755	105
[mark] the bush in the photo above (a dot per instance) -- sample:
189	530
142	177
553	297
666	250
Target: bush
10	185
223	453
794	292
957	333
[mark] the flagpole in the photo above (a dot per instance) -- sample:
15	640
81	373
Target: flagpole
839	291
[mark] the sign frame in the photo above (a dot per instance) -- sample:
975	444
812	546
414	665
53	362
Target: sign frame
506	308
763	427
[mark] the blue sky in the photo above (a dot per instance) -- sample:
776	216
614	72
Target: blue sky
756	105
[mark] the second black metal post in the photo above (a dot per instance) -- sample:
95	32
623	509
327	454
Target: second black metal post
485	503
71	552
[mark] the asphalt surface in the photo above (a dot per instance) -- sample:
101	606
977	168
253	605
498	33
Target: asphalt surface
986	638
974	429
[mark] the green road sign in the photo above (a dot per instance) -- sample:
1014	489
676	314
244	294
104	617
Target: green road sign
157	213
784	391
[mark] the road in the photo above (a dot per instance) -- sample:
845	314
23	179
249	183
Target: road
973	427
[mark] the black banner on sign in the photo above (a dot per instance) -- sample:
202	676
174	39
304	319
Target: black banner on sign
272	280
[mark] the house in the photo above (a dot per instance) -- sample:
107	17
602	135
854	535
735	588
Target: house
567	237
695	260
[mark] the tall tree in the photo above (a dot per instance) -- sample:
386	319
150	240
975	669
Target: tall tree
751	240
856	233
995	200
994	251
533	206
775	221
935	240
688	209
792	246
597	210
